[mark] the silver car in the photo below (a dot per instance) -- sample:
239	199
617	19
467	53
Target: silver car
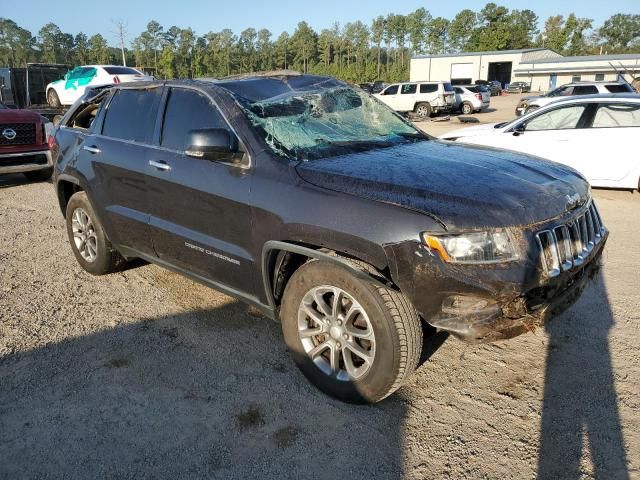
471	98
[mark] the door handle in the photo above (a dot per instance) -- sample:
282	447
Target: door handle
160	165
92	149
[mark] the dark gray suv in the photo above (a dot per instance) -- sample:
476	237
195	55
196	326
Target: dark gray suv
325	210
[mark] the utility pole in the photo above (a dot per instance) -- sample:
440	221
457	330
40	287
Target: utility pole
121	32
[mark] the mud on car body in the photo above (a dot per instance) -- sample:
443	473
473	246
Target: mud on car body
324	209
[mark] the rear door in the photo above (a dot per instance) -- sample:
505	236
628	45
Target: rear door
607	151
114	161
200	213
408	97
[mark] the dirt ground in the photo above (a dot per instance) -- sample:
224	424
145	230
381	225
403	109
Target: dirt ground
144	374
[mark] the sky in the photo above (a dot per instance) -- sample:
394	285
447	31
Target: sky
276	15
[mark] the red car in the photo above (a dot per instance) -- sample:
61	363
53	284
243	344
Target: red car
23	144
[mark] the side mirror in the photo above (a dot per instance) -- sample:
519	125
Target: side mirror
518	130
216	144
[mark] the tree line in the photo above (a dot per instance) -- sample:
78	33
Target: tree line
354	51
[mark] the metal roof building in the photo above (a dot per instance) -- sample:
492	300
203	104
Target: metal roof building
543	68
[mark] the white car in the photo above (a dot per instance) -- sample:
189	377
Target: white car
421	98
595	134
471	98
67	90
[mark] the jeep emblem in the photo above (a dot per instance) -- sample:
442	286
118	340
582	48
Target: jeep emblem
9	133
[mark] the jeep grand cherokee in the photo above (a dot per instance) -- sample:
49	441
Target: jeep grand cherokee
324	209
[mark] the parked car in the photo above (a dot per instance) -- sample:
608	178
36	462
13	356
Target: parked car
595	134
518	87
424	99
471	98
494	86
327	211
72	86
529	104
375	87
23	143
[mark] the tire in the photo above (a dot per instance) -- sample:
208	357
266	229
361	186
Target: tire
530	109
39	175
93	251
466	108
52	98
423	110
383	315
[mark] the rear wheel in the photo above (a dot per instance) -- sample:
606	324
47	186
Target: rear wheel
91	247
466	108
354	340
423	110
39	175
52	98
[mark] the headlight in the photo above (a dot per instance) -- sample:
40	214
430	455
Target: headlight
476	247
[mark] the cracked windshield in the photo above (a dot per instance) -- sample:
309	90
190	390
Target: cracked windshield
327	123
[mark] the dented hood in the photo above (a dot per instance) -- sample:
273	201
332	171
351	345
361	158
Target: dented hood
465	187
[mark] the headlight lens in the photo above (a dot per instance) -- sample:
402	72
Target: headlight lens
475	247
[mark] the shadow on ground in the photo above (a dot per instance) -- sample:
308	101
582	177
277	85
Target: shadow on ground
208	394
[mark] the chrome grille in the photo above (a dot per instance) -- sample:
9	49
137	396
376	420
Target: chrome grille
568	245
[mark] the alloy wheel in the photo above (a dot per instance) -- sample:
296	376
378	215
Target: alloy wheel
84	235
336	333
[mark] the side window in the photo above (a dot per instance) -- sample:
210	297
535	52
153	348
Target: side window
458	90
585	90
409	88
618	88
428	88
131	115
562	92
187	110
392	90
558	119
617	115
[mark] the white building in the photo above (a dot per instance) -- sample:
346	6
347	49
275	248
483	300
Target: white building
543	68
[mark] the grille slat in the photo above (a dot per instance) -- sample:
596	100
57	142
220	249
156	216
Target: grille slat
25	134
568	245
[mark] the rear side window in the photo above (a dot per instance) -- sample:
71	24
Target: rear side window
428	88
121	71
458	90
131	115
409	88
618	88
475	89
617	115
187	110
585	89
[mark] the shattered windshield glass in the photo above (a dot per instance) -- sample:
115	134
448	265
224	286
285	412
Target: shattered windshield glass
326	123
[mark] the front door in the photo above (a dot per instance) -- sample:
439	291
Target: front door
200	216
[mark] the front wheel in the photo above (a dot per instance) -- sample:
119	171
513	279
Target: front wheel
52	98
354	340
91	247
423	110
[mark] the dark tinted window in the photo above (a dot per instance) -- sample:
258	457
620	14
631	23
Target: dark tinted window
121	71
131	115
187	110
585	89
476	89
392	90
458	90
618	88
428	88
409	88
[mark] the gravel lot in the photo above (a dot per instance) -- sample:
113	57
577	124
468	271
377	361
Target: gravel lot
144	374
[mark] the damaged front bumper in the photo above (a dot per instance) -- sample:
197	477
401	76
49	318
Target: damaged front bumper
508	319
